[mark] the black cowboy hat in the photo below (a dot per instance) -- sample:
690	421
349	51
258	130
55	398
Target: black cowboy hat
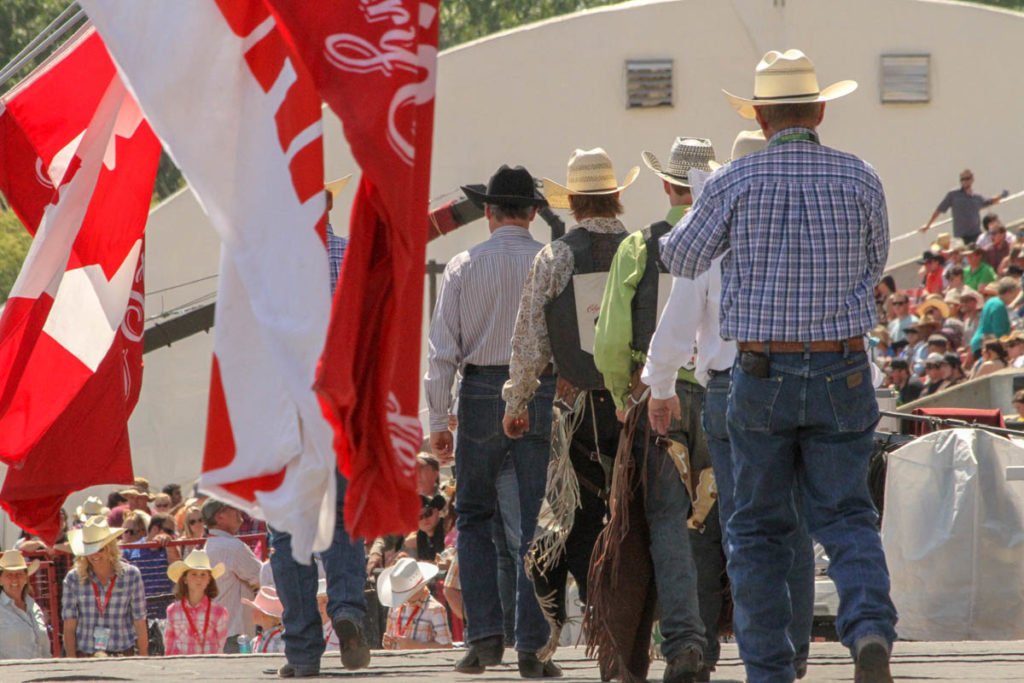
508	187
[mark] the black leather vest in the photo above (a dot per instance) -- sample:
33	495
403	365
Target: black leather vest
591	253
645	301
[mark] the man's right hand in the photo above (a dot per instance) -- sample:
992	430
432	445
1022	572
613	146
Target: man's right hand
516	425
924	228
660	412
441	443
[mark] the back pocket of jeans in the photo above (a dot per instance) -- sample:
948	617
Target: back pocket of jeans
752	401
853	399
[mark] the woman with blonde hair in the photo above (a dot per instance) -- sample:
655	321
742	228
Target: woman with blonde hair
191	526
195	624
104	601
21	620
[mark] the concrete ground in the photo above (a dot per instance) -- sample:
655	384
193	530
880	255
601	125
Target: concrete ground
965	661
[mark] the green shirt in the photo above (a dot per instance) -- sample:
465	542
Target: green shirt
994	322
976	279
614	354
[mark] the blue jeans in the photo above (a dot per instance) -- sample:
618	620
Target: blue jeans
809	424
345	567
481	449
667	507
507	537
800	580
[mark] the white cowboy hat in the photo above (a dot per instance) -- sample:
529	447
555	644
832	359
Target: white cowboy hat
686	153
590	172
400	581
90	508
92	536
14	561
197	560
747	142
786	78
336	186
267	602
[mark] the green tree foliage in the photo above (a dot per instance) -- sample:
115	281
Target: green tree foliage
20	22
464	20
14	243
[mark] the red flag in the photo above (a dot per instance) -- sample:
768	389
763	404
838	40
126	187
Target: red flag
374	62
71	332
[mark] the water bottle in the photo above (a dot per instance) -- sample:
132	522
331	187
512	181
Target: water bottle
244	645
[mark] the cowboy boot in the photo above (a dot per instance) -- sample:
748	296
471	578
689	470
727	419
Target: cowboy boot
482	654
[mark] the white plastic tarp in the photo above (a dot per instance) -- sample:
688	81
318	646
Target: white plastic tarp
953	532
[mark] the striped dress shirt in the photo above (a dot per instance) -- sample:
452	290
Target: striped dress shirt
335	255
808	236
476	313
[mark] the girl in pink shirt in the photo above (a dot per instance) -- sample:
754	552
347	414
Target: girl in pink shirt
195	624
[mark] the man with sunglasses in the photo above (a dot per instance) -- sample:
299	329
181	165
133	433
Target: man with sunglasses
966	205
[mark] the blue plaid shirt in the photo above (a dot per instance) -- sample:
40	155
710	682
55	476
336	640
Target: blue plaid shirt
127	604
335	254
807	235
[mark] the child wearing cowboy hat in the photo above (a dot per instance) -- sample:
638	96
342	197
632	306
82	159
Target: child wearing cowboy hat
195	624
266	614
416	621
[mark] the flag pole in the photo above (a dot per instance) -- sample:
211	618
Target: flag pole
39	44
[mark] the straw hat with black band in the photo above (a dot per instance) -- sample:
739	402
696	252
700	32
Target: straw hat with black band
786	78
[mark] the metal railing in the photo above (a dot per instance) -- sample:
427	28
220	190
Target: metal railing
47	582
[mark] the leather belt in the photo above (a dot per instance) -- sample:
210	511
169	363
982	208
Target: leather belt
851	344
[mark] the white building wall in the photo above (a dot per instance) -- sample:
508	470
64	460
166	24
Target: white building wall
533	94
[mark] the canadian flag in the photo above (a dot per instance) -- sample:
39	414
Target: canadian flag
77	163
242	119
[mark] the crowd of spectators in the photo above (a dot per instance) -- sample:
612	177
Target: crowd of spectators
963	322
173	575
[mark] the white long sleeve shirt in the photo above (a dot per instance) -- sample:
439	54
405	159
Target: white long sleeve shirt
23	632
690	321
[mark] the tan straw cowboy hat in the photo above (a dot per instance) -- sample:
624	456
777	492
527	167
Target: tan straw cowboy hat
92	537
92	507
747	142
786	78
590	172
336	186
686	153
197	560
14	561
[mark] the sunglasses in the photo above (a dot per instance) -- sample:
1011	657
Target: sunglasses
931	366
195	521
966	178
900	303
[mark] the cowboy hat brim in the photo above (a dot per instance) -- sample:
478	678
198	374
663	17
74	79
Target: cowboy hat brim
30	568
651	162
391	598
270	609
80	548
336	186
478	195
558	194
744	106
178	569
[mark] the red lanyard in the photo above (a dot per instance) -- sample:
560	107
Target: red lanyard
110	591
402	630
191	624
269	637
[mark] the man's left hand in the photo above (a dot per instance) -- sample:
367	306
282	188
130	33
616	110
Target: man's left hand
516	425
661	411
